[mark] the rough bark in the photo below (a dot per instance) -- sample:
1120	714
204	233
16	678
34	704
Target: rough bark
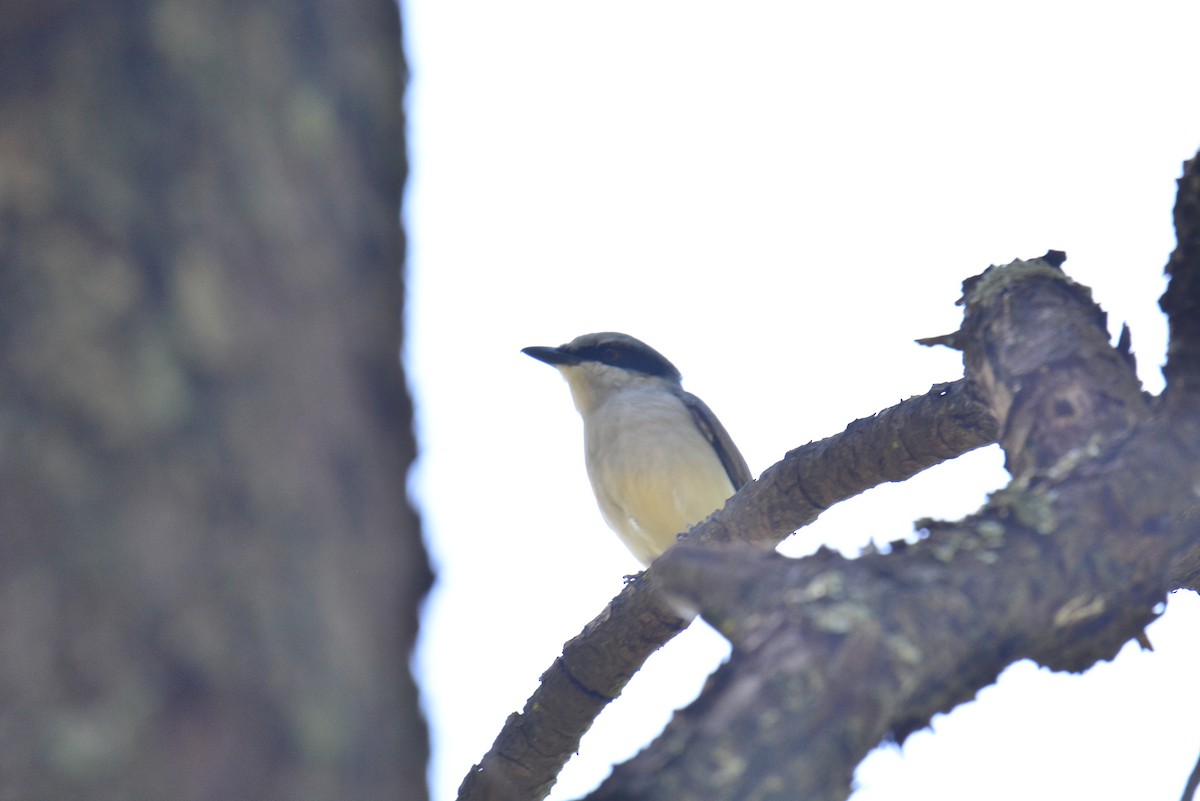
1181	301
1065	565
893	445
208	571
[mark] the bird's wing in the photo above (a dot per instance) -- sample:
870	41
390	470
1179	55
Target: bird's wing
718	437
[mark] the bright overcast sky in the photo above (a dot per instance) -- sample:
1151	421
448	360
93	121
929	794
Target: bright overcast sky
780	197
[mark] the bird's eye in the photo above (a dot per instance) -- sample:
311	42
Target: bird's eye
612	355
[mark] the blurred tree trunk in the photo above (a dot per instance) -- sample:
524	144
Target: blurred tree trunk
208	568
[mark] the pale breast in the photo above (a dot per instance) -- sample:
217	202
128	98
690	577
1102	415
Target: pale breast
654	474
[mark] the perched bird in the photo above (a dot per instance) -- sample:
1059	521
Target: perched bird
658	459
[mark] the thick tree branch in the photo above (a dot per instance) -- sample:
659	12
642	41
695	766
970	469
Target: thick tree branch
893	445
832	655
1181	301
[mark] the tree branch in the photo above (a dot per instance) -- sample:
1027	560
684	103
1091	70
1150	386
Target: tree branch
1193	783
893	445
1181	301
1064	566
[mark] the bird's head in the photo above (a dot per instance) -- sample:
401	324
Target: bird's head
597	365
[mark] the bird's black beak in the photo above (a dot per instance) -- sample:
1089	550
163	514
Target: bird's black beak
555	356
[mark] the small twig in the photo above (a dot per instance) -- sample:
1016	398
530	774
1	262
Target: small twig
1193	783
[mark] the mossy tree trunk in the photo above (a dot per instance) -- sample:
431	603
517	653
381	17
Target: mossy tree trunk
208	568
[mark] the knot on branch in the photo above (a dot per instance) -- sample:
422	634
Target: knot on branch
1038	347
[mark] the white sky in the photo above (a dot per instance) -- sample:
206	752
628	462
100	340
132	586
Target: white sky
780	197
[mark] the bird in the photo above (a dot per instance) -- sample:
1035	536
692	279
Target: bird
657	458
